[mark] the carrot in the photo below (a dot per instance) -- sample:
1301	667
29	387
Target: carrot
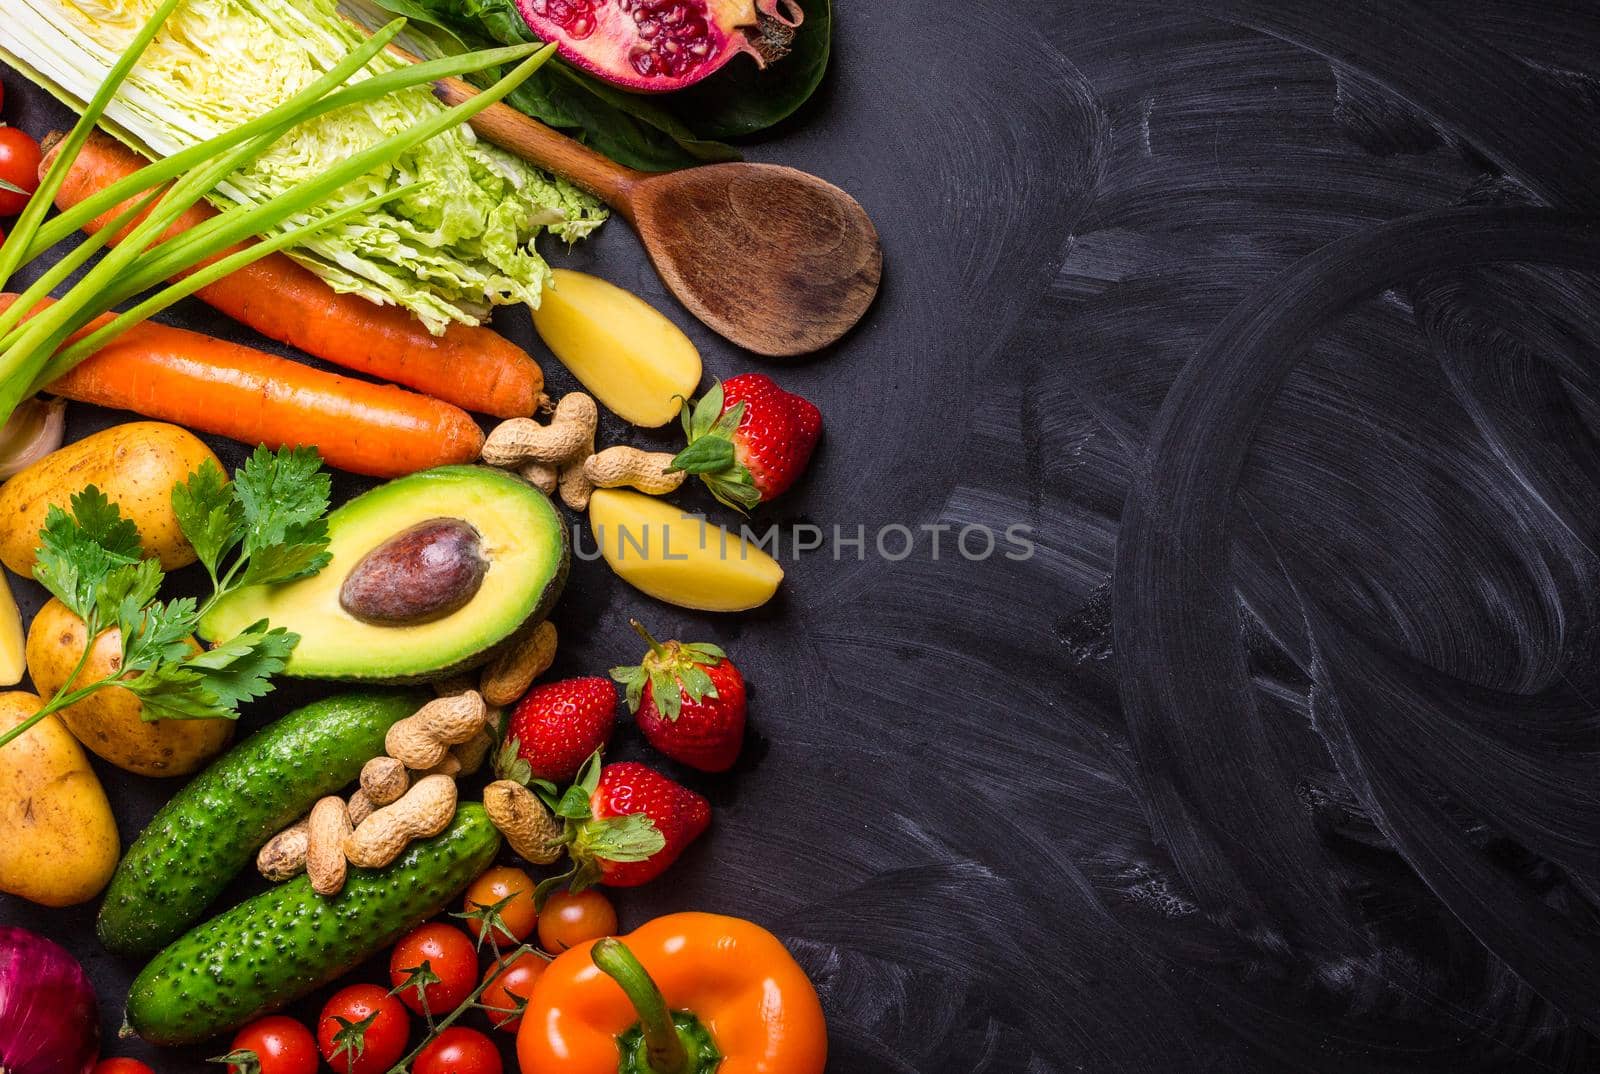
235	391
475	368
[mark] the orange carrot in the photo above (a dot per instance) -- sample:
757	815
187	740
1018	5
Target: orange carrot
475	368
231	390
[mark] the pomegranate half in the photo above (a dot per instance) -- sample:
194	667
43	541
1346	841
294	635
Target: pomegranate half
654	46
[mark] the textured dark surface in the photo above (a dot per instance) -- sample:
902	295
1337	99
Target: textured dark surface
1270	318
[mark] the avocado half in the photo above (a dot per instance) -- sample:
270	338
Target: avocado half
524	546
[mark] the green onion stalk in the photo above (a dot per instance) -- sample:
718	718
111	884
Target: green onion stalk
35	347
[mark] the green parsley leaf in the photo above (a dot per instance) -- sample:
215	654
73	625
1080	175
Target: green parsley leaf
159	635
281	495
209	514
78	551
122	595
101	522
214	683
303	552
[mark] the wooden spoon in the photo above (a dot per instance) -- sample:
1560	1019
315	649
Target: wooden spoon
778	261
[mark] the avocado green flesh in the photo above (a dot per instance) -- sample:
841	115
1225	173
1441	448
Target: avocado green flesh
209	831
269	951
523	538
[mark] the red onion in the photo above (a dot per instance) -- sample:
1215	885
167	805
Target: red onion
48	1021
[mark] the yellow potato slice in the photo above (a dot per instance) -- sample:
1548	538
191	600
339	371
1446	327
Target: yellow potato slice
13	653
638	364
678	557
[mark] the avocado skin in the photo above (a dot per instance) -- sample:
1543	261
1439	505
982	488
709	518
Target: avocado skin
212	828
284	943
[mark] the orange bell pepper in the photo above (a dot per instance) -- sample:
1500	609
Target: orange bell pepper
685	994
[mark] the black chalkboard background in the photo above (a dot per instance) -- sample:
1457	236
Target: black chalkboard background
1278	753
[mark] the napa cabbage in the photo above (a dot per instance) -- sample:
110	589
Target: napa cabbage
458	242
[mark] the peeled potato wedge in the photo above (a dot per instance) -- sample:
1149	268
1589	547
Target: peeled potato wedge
671	555
13	654
638	364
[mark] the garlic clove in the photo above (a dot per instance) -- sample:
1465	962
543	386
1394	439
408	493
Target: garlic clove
37	427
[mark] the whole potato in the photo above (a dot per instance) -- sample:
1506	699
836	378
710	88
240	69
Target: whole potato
110	721
135	465
61	843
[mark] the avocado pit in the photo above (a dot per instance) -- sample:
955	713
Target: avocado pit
419	575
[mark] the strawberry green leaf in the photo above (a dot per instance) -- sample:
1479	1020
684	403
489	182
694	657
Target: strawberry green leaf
708	455
734	488
697	684
632	679
664	692
633	837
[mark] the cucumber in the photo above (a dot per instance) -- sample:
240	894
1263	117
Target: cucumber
284	943
212	828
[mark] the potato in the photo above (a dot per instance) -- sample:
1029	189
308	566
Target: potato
109	721
135	465
61	842
13	662
624	351
674	556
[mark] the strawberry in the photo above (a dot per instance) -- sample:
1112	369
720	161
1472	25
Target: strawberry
749	440
626	823
689	701
556	728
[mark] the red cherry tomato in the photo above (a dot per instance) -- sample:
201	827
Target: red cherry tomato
512	983
385	1035
281	1046
449	954
122	1066
459	1051
514	889
19	166
568	920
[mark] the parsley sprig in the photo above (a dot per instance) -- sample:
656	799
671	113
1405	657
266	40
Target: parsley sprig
268	525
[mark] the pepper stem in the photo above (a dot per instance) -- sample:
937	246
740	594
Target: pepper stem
655	646
663	1047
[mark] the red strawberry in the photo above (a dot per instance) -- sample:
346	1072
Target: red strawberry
689	702
627	823
557	727
749	440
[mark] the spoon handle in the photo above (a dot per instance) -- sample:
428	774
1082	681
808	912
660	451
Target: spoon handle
548	149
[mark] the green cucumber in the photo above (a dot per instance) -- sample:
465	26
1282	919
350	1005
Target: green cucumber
212	828
284	943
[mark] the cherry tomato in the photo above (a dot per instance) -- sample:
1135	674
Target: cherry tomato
19	166
513	982
282	1046
385	1036
518	915
451	956
122	1066
569	919
459	1051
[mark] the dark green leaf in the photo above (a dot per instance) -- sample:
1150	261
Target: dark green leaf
240	1061
707	455
634	837
742	99
281	494
210	516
